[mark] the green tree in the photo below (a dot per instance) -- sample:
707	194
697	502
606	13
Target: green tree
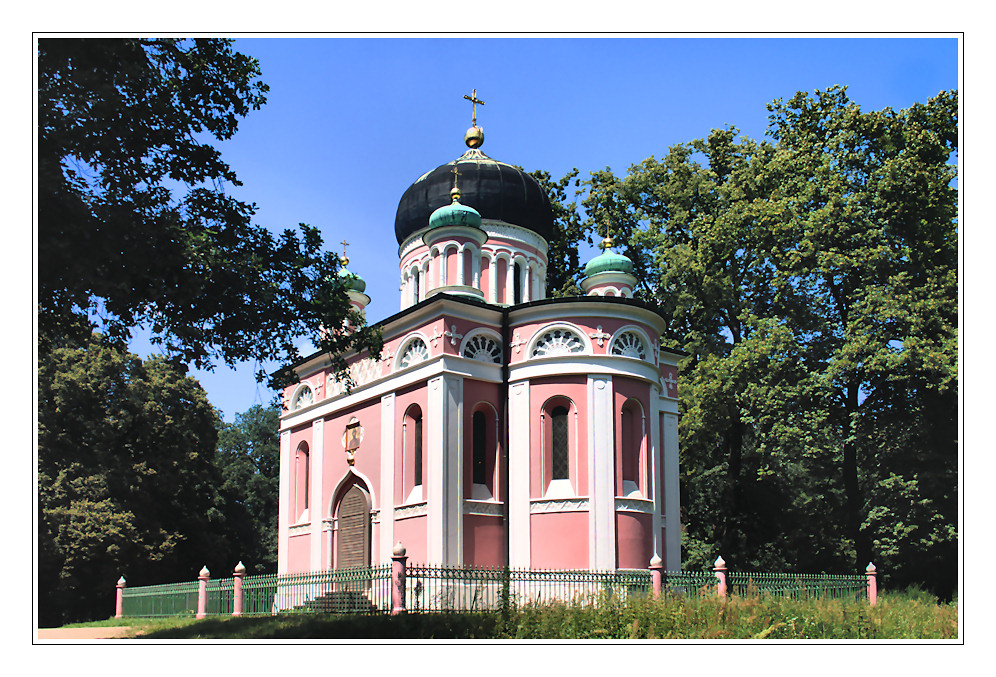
249	464
127	482
564	267
872	242
135	227
812	279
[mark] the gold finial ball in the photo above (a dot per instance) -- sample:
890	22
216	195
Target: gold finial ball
455	193
344	260
607	243
474	137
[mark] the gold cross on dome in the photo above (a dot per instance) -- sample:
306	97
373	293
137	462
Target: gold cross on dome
344	245
455	174
474	100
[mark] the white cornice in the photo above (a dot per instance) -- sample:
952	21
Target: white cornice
581	364
586	306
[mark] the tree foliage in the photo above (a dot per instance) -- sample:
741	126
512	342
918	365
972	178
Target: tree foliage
249	464
135	227
812	279
127	482
564	267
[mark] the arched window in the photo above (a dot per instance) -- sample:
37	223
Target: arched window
560	445
480	435
629	344
558	341
632	449
412	454
415	277
302	477
517	284
559	466
416	351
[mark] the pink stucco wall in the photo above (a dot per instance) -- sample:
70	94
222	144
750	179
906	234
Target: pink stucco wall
299	553
412	531
638	394
483	541
559	540
634	540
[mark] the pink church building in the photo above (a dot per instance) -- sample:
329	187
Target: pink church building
499	426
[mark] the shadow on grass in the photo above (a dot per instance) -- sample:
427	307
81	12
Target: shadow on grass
317	626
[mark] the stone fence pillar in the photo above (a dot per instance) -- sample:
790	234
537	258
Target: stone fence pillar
719	568
871	572
240	571
656	575
202	580
119	598
398	574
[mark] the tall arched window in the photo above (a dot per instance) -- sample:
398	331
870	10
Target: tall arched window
558	472
480	442
560	445
517	284
631	456
302	477
412	454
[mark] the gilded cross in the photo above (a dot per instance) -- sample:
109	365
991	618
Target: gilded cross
455	174
474	100
344	245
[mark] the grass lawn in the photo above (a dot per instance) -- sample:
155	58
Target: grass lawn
897	616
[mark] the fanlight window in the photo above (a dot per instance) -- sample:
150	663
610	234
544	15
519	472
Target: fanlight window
558	342
415	352
483	348
303	398
629	344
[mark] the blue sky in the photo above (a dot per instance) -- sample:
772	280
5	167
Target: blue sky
350	123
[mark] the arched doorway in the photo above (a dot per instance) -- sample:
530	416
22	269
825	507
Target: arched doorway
353	529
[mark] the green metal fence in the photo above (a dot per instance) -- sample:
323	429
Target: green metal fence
452	588
168	599
798	586
431	588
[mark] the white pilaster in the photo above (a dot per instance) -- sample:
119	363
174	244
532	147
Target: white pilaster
317	507
672	500
386	477
445	463
493	280
518	474
602	523
283	523
656	489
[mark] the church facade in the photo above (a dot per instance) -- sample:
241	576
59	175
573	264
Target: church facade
498	426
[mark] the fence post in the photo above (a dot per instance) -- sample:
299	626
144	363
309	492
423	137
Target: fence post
202	580
240	571
870	572
398	574
119	598
656	568
719	568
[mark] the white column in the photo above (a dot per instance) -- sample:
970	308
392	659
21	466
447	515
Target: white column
475	267
423	288
493	279
656	490
444	504
461	264
672	501
601	481
518	475
386	477
509	282
317	507
283	521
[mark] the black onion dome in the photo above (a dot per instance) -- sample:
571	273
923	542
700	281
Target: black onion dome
496	190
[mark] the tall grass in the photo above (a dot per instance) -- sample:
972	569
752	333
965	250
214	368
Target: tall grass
912	615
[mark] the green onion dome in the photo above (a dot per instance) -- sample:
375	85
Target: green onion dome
608	262
353	281
455	214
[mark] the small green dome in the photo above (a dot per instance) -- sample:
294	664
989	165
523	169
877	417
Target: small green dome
608	262
353	281
455	214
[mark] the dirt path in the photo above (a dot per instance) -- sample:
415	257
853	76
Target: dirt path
83	633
